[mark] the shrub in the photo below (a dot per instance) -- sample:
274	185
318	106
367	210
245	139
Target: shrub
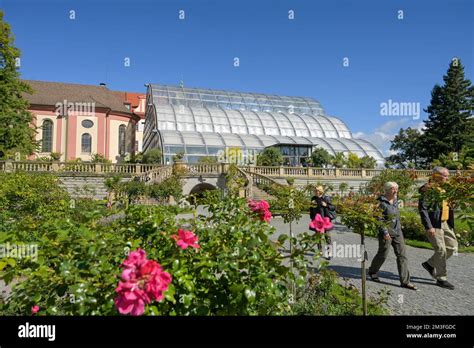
412	226
162	191
320	157
343	186
404	178
178	157
237	270
132	189
152	156
31	196
208	160
271	156
339	160
55	156
323	295
100	158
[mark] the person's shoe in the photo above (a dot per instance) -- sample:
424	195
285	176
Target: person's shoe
410	286
374	277
445	284
430	269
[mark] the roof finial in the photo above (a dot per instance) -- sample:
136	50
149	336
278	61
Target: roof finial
181	83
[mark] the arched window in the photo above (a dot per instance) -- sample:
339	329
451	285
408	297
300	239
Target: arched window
47	137
86	143
122	139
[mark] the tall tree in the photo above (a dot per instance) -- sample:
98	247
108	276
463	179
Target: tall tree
16	135
450	125
407	145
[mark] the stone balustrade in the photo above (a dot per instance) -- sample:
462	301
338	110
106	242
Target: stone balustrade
97	168
198	169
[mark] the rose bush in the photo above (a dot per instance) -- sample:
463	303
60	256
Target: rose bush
236	270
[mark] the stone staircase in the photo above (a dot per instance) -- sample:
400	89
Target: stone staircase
259	194
86	186
256	179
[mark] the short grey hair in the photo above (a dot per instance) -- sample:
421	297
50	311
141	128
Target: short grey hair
439	170
388	186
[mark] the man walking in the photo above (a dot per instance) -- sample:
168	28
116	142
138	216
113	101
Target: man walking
391	235
438	220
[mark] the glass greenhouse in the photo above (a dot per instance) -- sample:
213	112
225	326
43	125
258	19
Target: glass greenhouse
204	122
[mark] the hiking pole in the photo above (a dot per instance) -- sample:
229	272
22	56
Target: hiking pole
364	257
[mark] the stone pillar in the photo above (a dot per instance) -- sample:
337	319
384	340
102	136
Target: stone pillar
282	171
336	172
224	168
8	166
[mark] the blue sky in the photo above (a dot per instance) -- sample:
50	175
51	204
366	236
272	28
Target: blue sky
389	58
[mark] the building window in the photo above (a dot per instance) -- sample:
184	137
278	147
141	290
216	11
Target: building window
87	123
86	143
122	140
47	137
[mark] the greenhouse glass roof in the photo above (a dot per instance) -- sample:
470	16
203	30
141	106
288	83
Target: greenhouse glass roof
198	121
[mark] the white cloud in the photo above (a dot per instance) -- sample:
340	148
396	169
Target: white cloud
383	134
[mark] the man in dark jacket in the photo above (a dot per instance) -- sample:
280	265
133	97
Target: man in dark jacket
391	235
321	204
438	220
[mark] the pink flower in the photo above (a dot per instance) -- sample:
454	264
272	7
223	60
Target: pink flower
262	208
186	238
143	281
135	258
34	309
320	224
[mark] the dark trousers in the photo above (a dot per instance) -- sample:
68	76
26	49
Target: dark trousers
326	236
398	244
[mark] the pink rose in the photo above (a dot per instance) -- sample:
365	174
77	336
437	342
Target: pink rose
143	281
320	224
135	258
34	309
186	238
261	208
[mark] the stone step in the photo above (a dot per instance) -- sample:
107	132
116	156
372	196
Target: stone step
259	194
85	186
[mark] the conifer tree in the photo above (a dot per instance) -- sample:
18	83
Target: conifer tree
450	125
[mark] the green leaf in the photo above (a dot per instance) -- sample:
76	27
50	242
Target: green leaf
250	295
169	294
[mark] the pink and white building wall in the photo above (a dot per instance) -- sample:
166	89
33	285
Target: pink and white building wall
79	121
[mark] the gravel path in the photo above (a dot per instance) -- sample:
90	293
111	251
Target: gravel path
428	300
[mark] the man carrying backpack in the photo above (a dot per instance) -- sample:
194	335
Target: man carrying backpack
321	204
